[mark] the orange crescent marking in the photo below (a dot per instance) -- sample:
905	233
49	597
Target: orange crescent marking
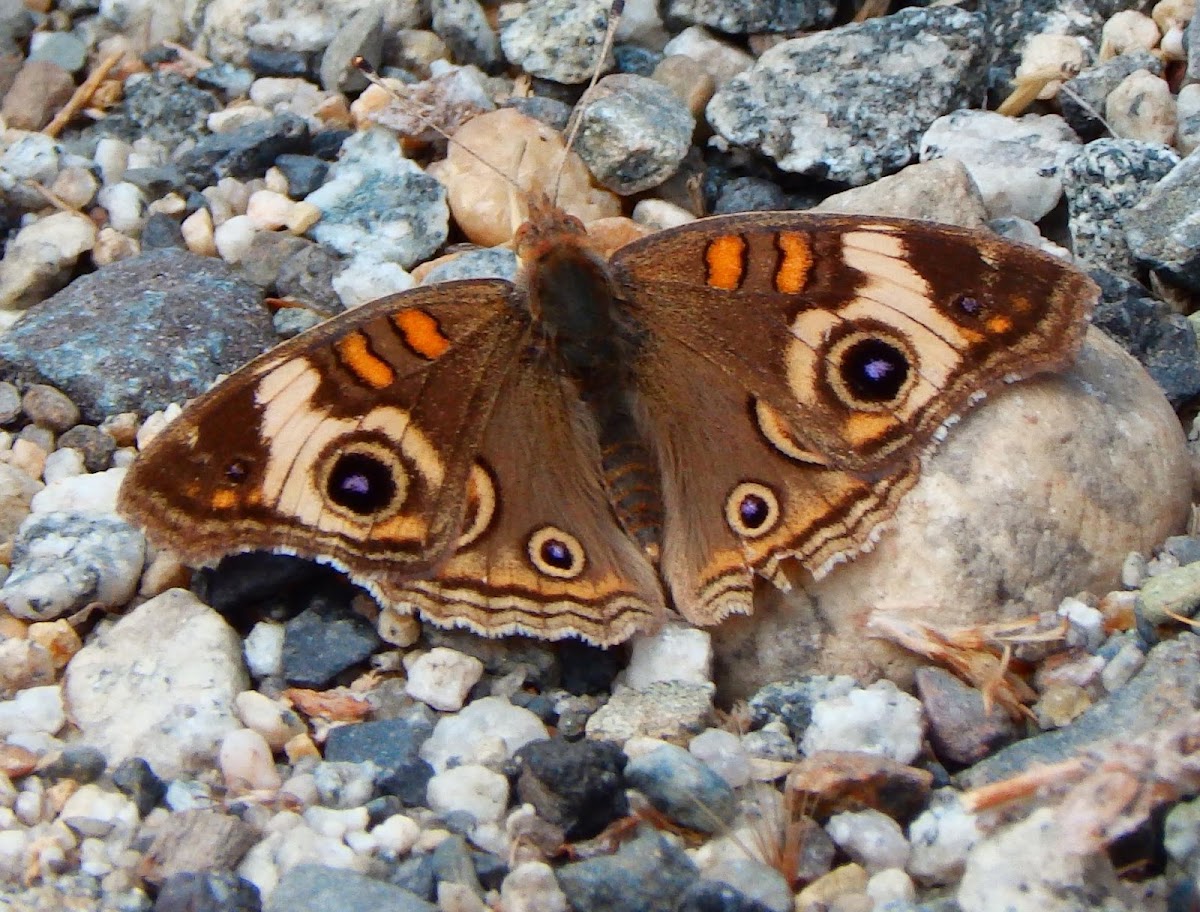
726	259
357	357
792	274
999	324
224	500
421	333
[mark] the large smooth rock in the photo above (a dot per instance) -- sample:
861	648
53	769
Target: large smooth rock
1038	494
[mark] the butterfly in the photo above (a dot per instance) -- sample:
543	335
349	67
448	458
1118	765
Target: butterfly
580	451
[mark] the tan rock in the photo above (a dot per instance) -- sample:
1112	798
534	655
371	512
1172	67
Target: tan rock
1038	494
38	91
524	157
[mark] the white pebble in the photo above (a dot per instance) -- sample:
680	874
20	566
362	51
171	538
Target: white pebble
1121	667
336	822
188	795
397	835
246	762
93	858
471	735
364	279
872	839
891	885
94	811
1085	621
198	233
302	217
30	805
398	629
112	155
269	211
659	214
443	677
1128	30
302	788
13	848
171	204
941	836
676	652
722	752
275	722
275	180
474	789
125	204
233	238
35	709
532	887
64	463
880	719
263	649
300	845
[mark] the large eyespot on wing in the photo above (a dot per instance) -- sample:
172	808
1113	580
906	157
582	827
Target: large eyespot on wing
353	443
542	552
865	335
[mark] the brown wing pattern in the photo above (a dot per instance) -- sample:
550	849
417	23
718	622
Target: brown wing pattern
795	369
541	551
351	444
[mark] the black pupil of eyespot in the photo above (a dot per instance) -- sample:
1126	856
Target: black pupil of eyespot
361	483
237	471
874	370
557	554
753	511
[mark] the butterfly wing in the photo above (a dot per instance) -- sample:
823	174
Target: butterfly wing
793	369
541	552
351	443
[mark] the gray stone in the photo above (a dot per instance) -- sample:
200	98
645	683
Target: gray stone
557	39
1166	690
464	26
1163	229
648	874
683	788
739	17
1082	98
634	133
62	49
140	334
488	263
1102	183
245	152
360	36
850	104
316	888
64	561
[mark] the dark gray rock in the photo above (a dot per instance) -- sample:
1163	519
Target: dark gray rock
1163	230
1165	691
245	152
740	17
80	762
316	888
323	641
1102	183
306	274
961	730
715	896
359	36
683	788
575	785
874	88
1184	548
232	81
207	891
272	62
1163	341
453	863
750	194
304	173
417	876
16	24
647	874
139	334
393	746
138	782
10	402
96	445
156	182
161	231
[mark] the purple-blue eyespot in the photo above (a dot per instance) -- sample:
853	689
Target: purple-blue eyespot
752	509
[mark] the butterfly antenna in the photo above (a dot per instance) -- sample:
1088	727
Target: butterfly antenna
610	38
368	71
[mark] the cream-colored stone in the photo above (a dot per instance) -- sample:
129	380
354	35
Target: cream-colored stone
527	155
197	230
1039	493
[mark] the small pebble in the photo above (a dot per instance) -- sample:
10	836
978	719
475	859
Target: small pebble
48	407
872	839
476	790
443	677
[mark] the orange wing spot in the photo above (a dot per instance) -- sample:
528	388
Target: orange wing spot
863	428
999	324
421	333
792	274
726	259
224	500
356	356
